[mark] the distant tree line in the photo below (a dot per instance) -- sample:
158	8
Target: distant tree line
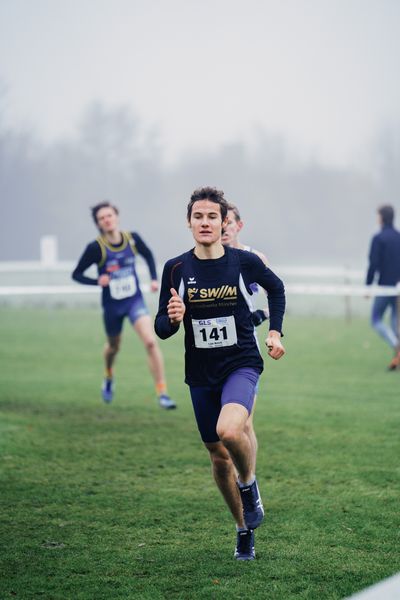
296	212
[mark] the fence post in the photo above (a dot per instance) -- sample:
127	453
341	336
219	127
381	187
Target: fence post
49	250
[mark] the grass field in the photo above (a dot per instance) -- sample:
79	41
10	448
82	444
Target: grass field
117	501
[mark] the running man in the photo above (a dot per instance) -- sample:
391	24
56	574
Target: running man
230	237
208	290
114	252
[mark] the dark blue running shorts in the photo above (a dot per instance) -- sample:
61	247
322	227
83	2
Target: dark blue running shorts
240	387
114	315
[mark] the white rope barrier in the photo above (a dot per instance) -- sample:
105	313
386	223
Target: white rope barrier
34	290
291	289
342	290
32	265
345	289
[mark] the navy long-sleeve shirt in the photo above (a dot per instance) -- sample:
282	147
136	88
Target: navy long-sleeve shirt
384	257
219	334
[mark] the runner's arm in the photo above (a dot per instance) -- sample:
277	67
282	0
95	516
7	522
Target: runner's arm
91	255
374	260
147	254
162	325
254	270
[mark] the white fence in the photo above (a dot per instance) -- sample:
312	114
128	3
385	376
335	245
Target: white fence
310	290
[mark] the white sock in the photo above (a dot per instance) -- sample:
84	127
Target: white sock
242	485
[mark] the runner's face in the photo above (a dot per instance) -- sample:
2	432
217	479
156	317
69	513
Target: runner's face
231	229
206	222
107	219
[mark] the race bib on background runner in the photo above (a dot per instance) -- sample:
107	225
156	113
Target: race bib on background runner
214	333
122	286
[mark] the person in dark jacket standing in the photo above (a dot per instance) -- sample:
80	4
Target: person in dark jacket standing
384	263
208	290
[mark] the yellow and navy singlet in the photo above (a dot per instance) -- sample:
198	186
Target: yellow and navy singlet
219	334
117	261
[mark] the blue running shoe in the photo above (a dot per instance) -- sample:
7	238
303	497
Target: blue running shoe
166	402
245	545
253	510
107	390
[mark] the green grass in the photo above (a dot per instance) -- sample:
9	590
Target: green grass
117	501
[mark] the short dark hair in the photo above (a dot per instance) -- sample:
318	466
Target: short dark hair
95	209
235	211
211	194
387	214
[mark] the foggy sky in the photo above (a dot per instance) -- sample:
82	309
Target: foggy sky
291	107
322	74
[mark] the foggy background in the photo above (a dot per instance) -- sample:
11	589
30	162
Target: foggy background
291	107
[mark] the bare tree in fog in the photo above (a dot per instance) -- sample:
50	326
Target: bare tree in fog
386	157
51	187
21	214
117	139
295	212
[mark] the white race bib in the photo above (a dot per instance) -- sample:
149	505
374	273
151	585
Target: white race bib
122	287
214	333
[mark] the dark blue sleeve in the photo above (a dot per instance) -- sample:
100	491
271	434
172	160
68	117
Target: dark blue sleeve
254	270
374	259
91	255
170	278
146	253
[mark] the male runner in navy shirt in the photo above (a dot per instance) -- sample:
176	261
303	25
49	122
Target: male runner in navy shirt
114	252
209	290
230	237
384	261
